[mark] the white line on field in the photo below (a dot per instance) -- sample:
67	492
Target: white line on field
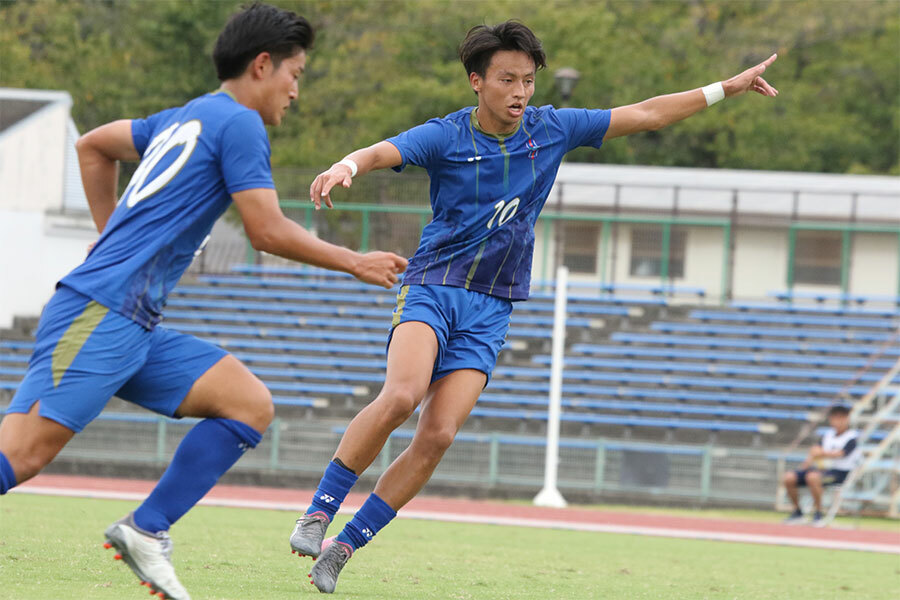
694	534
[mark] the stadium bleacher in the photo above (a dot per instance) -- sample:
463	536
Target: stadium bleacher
636	366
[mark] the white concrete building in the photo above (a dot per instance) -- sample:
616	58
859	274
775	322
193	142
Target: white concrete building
730	230
44	226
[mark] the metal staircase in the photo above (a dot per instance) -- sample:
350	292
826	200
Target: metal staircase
874	486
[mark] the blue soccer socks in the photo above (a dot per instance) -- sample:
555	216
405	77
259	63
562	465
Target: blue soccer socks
7	475
368	520
205	453
333	488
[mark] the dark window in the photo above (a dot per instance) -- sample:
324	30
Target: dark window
580	246
817	257
647	252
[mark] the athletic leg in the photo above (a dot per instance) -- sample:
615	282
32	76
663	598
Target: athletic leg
814	481
184	376
450	401
28	442
410	363
237	409
790	486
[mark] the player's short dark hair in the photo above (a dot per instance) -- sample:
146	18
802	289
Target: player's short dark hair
260	28
838	409
483	41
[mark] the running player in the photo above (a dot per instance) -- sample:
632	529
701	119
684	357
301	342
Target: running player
491	169
98	335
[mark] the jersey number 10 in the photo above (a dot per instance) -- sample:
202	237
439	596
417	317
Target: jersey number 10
503	212
176	135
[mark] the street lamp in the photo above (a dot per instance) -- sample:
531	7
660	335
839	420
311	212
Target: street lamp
566	80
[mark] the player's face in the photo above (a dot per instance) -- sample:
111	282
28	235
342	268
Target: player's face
505	89
282	88
839	422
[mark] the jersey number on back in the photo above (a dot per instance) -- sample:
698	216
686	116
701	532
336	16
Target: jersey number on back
503	212
175	135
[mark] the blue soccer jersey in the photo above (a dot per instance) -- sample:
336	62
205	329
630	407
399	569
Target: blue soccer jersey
193	158
486	193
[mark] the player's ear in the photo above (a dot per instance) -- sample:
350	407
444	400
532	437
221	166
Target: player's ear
261	65
475	80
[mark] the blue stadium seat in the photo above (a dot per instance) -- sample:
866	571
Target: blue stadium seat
613	288
834	310
683	395
793	320
639	407
276	346
672	380
745	343
821	297
14	358
627	421
17	345
718	355
304	271
755	331
685	367
212	329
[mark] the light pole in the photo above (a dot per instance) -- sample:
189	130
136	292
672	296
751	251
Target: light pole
566	79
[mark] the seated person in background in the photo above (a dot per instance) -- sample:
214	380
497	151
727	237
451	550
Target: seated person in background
838	446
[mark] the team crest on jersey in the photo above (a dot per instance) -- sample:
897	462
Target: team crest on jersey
532	145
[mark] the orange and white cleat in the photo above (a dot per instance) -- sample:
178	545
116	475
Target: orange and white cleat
148	556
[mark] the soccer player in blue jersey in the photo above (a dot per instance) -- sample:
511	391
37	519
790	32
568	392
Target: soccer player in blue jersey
98	335
491	168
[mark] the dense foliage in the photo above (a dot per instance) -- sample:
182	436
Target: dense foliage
383	66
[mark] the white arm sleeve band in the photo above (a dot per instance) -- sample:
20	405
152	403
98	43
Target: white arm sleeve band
352	165
714	92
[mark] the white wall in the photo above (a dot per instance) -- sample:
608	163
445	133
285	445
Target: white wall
32	161
37	251
873	264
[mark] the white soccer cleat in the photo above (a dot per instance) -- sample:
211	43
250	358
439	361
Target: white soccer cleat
148	556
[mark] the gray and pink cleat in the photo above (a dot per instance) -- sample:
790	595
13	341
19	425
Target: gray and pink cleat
306	539
325	572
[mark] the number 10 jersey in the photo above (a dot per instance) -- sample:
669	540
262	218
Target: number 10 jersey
487	192
193	157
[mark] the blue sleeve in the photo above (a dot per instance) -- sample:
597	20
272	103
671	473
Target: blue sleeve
244	153
421	145
849	447
584	127
143	130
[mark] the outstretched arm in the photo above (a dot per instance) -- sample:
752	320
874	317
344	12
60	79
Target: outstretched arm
270	231
382	155
99	153
662	111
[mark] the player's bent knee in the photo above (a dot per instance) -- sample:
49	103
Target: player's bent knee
790	478
399	404
436	440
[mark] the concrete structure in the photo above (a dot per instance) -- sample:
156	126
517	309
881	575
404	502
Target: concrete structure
737	233
44	224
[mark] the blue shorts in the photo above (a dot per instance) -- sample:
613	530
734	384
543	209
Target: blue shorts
829	477
85	354
470	326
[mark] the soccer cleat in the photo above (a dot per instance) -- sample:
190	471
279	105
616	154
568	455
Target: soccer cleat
795	518
326	570
148	556
306	540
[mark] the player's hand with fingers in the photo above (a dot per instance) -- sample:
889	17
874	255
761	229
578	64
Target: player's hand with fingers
320	190
380	268
751	80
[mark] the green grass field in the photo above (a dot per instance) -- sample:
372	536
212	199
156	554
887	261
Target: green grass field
50	548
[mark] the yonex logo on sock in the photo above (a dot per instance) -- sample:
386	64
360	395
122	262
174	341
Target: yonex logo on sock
326	498
368	533
243	446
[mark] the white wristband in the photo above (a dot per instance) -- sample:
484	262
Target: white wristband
351	164
714	92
